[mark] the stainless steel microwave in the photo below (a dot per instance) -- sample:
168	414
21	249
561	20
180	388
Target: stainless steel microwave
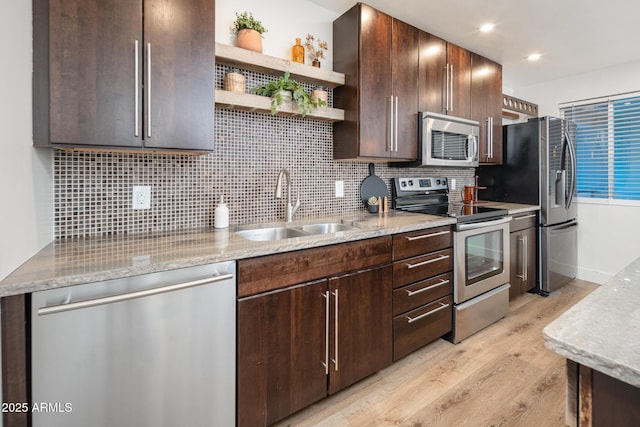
448	141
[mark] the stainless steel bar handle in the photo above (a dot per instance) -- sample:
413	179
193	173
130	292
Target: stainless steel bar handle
573	176
451	89
414	319
129	296
446	88
420	264
425	236
412	293
325	295
336	330
136	88
395	125
390	125
490	138
524	217
520	240
148	89
474	225
525	258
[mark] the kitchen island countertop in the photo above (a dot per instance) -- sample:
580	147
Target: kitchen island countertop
602	331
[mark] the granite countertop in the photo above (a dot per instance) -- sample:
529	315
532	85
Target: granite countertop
78	261
603	330
513	208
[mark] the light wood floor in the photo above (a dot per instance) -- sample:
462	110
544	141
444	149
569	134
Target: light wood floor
501	376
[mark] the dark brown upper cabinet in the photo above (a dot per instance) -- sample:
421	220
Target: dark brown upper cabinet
444	77
379	57
486	107
124	74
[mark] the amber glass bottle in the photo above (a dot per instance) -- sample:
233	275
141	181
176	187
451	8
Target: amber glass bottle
297	52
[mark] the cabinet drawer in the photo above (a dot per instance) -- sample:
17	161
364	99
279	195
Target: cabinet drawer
522	221
423	292
270	272
406	245
416	328
421	267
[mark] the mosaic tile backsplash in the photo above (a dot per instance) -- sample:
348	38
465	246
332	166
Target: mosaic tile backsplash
92	190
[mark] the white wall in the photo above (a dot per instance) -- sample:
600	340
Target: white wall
299	19
26	191
609	235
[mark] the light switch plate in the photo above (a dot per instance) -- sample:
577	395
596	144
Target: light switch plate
339	188
141	197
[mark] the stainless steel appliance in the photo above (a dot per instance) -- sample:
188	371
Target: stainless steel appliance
481	252
539	168
150	350
445	141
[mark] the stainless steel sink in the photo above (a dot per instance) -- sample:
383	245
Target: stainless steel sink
280	232
271	233
329	227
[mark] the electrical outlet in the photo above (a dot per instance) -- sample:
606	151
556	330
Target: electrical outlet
339	188
141	197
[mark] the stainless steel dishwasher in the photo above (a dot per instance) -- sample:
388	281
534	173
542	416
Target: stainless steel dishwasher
151	350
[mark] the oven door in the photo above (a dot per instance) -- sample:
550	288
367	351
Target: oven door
481	261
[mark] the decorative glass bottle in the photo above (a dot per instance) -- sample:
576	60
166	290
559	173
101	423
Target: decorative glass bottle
297	52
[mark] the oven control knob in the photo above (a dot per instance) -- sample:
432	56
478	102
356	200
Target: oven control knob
410	183
403	183
437	182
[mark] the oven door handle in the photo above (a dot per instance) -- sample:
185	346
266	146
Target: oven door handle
475	225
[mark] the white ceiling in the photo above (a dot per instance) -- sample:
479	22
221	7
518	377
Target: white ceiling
573	36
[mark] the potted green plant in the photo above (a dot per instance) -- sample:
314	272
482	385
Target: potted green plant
285	89
249	32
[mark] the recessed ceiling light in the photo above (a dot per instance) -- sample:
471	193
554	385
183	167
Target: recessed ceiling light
533	57
487	27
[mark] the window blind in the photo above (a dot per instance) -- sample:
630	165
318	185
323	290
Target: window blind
607	147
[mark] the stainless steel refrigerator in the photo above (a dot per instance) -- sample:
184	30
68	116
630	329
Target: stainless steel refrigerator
539	168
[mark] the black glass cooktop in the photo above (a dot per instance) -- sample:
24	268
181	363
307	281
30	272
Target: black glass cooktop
463	213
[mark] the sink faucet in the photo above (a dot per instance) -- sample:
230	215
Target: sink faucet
291	209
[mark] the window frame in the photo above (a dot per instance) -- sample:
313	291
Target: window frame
610	200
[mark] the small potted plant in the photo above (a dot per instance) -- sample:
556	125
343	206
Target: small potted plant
372	204
249	32
315	51
285	89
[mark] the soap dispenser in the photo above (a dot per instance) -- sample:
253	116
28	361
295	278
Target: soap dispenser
221	215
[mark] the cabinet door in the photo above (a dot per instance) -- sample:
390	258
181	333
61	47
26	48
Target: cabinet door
91	76
281	348
431	78
405	89
459	61
375	83
179	38
486	107
361	341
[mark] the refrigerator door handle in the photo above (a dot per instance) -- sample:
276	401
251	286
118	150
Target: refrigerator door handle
573	175
556	228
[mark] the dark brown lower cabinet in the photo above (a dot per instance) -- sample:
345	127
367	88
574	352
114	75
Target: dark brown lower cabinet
284	363
598	400
281	344
524	249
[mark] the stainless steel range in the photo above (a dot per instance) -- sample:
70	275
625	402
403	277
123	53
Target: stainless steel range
481	251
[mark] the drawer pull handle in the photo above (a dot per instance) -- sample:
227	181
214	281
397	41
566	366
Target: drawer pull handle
426	236
414	319
524	217
412	293
420	264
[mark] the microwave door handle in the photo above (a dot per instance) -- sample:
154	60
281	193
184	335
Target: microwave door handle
472	150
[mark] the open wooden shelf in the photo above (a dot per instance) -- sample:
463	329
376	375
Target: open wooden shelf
254	61
262	104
